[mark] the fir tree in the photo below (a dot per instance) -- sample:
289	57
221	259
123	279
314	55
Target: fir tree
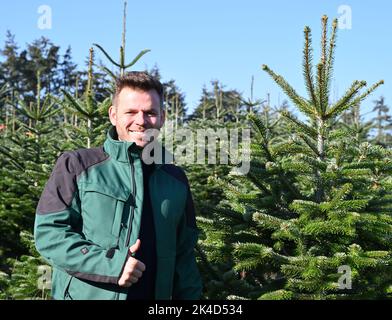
30	274
121	64
19	69
383	123
219	104
11	67
317	201
175	108
214	249
24	171
92	124
68	70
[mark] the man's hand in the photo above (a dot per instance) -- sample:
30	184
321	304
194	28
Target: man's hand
133	268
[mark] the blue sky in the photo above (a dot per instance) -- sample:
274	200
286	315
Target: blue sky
197	41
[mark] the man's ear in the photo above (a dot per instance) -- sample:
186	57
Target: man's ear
113	115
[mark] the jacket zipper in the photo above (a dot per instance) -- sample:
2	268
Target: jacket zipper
133	206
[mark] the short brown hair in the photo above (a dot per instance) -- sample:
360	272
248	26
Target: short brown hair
138	80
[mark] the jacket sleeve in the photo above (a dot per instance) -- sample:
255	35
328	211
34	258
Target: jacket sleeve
58	229
187	280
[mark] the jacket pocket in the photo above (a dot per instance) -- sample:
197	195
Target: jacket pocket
102	211
79	289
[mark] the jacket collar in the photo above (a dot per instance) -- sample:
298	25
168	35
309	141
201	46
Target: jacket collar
119	150
122	150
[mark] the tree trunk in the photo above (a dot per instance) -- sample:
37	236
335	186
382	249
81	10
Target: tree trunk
320	158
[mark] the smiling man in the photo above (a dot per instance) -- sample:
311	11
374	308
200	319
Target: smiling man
136	110
113	227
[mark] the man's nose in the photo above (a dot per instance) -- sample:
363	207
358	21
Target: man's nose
140	118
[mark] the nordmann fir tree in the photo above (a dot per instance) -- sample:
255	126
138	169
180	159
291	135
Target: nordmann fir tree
317	223
222	226
25	154
206	193
230	221
122	65
215	244
383	123
31	275
4	90
25	171
92	115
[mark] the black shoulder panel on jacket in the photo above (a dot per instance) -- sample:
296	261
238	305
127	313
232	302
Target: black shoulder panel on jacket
60	188
180	175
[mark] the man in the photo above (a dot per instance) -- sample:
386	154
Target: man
113	227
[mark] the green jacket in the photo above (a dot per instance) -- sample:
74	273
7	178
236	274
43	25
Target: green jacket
89	214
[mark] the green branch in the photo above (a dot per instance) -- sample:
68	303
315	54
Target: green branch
307	66
107	55
312	132
142	53
344	102
291	93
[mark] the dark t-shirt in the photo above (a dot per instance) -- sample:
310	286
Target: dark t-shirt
144	289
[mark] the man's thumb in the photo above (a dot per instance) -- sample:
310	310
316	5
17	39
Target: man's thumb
135	247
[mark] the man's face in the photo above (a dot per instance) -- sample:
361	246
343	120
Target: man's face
136	112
